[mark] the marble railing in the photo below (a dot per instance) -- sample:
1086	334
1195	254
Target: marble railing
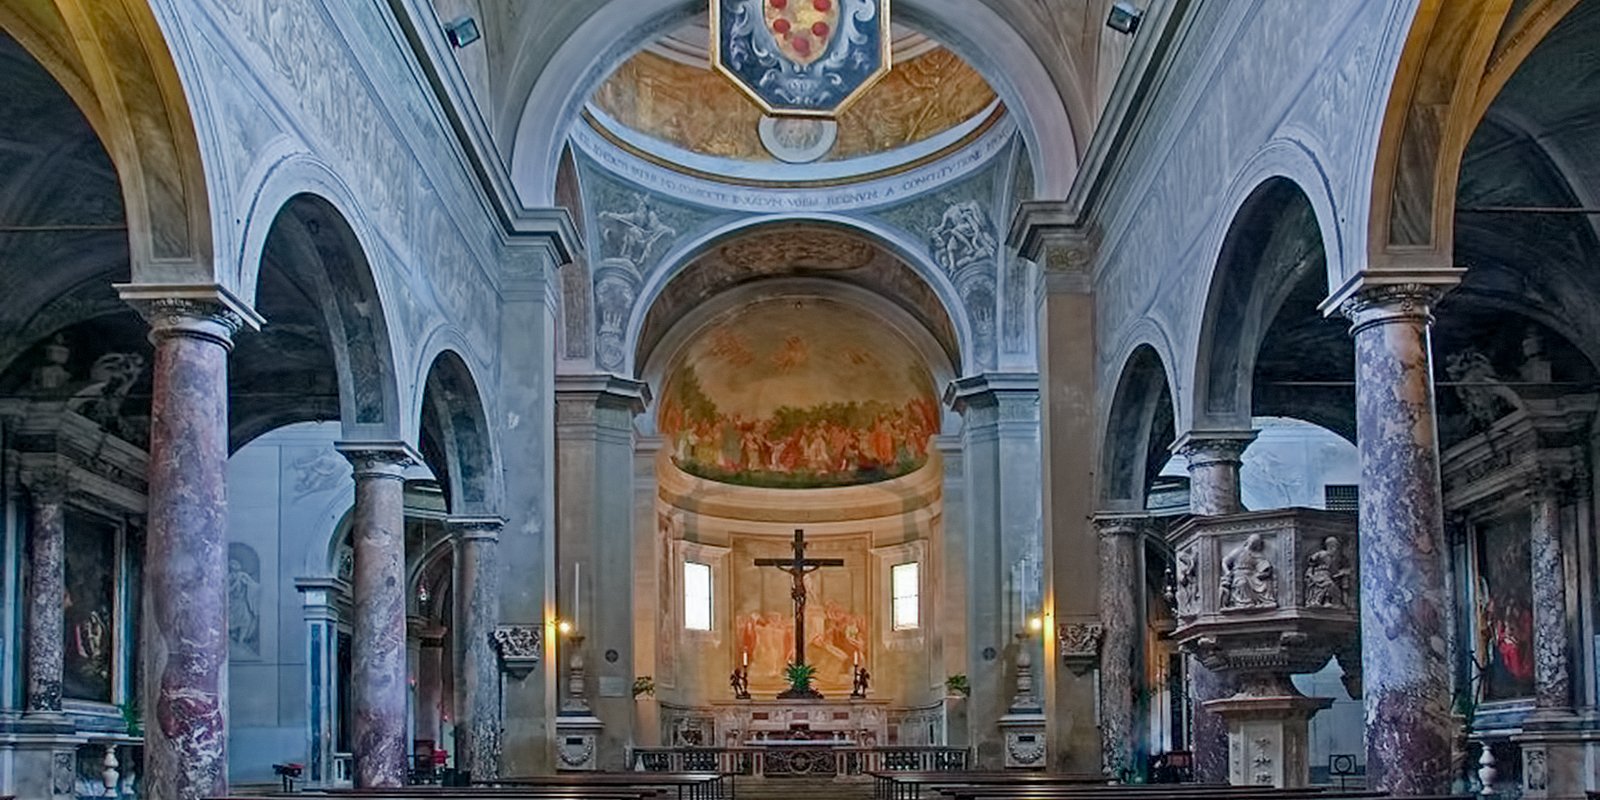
822	758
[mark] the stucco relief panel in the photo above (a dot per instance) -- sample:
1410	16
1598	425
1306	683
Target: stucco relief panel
329	97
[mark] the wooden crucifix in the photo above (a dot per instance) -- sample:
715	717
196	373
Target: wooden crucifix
799	567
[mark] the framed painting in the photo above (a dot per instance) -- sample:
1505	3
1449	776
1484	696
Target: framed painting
91	615
1504	595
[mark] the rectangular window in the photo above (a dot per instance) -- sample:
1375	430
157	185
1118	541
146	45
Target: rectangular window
1341	497
904	588
696	596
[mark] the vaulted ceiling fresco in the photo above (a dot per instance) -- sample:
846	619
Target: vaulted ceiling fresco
685	104
798	393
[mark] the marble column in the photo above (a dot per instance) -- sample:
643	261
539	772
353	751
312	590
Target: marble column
477	669
1214	462
1120	665
47	489
378	622
185	627
1551	679
1405	593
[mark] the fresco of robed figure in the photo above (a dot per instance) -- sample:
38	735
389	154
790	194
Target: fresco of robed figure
89	608
1505	609
799	395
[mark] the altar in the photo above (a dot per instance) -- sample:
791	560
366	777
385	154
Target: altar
846	722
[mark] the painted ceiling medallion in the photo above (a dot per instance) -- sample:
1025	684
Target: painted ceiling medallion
801	57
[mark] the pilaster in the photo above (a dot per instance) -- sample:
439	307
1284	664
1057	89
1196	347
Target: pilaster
594	448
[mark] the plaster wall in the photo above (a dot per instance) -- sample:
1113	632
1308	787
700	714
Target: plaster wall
1255	90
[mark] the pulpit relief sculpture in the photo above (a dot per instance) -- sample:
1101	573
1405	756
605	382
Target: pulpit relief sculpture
1328	576
1248	578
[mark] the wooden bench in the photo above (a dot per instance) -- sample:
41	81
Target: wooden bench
684	785
899	785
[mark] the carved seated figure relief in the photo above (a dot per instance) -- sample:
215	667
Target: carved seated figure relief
1328	576
1188	584
1248	578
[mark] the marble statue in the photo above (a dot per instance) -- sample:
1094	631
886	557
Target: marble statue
1328	576
1248	579
1188	583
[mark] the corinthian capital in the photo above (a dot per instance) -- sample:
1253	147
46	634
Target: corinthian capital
204	311
1377	297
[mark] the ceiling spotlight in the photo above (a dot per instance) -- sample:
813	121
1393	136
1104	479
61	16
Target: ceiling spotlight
1124	18
462	32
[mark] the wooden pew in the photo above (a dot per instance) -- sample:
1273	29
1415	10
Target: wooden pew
897	785
683	785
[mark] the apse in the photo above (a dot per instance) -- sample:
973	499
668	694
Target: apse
798	393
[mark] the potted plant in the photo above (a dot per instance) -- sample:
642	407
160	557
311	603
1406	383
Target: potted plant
644	685
958	686
800	677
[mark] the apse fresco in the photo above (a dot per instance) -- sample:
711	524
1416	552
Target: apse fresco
799	395
1505	610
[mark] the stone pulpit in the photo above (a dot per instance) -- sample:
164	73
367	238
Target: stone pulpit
1259	597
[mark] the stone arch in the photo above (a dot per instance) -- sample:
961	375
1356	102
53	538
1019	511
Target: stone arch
908	251
113	59
1056	129
1273	242
1140	429
452	411
323	254
1456	58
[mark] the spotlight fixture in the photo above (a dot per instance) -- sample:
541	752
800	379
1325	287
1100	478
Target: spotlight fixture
1124	18
462	32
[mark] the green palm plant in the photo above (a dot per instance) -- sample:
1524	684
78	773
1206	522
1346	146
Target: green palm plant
800	676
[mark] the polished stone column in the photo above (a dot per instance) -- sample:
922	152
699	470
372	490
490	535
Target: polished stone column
185	635
1214	461
1551	679
477	670
1405	596
378	623
1120	665
47	488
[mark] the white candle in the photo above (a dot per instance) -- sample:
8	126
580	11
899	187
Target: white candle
855	658
746	655
577	591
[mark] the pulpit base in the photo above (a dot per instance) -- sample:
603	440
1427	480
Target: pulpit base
1267	738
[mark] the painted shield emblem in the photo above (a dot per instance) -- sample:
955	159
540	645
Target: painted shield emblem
801	57
802	28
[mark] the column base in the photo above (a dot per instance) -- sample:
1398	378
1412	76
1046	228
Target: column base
1024	734
40	766
576	739
1267	738
1558	765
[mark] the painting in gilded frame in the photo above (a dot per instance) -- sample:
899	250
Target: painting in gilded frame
1505	608
90	608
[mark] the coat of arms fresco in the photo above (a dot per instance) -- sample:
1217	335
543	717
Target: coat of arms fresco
801	57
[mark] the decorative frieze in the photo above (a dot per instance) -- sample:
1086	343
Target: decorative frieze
521	648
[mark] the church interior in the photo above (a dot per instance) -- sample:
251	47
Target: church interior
560	398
